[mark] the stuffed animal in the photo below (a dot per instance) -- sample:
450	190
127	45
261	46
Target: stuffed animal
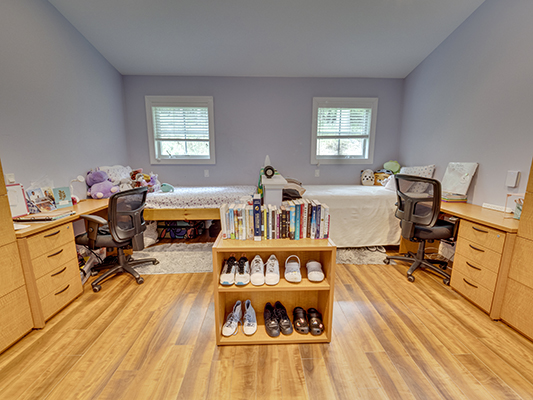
100	187
167	187
125	184
367	177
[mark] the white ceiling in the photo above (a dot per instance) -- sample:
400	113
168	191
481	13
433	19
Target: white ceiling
278	38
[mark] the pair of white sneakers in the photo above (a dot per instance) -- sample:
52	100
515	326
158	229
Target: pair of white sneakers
249	325
293	274
235	272
258	274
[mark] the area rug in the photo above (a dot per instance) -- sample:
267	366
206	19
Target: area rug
181	258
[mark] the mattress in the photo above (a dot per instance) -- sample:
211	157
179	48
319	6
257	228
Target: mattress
198	197
360	215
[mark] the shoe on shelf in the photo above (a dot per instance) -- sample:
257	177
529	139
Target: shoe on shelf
292	269
249	325
242	275
285	324
257	271
271	321
314	271
300	320
227	276
272	271
315	322
233	320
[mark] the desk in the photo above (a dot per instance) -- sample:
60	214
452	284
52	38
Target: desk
50	262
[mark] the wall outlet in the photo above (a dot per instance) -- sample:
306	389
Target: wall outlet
317	173
10	178
206	173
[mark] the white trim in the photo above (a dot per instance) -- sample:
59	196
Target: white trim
344	102
180	101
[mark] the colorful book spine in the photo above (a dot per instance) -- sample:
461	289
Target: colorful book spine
265	222
292	219
313	220
257	216
273	212
297	220
304	218
318	219
283	222
309	212
325	212
231	221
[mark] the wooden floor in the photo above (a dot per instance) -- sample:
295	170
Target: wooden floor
391	340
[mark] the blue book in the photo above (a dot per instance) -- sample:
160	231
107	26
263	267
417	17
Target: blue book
297	213
257	216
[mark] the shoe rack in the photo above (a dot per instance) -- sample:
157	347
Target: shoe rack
305	294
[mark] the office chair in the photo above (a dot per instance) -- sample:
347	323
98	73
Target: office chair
418	209
125	227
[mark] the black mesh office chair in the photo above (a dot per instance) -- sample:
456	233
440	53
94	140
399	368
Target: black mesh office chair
125	227
418	208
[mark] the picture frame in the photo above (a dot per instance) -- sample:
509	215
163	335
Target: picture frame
17	200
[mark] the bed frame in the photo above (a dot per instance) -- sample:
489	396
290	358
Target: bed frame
181	214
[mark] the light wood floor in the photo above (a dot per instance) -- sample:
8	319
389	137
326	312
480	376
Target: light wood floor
391	339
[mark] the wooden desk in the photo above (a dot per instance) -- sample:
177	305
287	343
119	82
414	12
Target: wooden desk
50	262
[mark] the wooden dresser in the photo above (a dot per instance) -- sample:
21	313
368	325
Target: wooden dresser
15	314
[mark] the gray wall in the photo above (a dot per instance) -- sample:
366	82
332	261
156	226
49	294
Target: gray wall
255	117
472	100
61	103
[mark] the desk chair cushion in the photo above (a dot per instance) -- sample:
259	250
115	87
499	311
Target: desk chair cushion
101	241
441	230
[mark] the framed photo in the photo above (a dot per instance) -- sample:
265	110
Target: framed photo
62	197
35	194
17	200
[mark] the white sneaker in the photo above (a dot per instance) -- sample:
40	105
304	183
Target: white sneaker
272	271
232	321
292	270
250	321
227	276
257	271
314	271
242	275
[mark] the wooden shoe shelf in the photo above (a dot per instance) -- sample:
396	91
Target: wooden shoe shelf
305	294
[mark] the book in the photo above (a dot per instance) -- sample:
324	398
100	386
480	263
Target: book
309	212
257	216
325	219
231	221
273	212
297	215
292	219
313	220
62	197
318	218
45	216
249	222
265	221
283	222
223	226
303	233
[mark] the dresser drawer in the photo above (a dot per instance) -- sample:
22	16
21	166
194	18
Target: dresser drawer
7	233
480	254
15	318
50	239
472	290
11	276
61	296
52	258
475	272
492	239
58	278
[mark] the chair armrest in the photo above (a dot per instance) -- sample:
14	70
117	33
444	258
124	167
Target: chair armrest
94	218
94	221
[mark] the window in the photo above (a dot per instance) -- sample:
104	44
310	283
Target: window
180	129
343	130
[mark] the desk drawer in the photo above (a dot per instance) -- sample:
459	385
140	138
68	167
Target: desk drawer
475	272
57	278
52	258
472	290
50	239
492	239
521	269
61	296
11	276
7	233
15	318
481	255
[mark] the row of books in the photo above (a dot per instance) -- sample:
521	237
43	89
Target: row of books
295	219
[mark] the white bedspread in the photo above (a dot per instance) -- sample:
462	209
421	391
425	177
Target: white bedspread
360	215
198	197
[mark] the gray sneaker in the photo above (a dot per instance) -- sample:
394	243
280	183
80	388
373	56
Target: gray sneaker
232	322
250	321
258	271
272	271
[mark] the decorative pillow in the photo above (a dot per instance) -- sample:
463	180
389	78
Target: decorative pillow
390	183
116	173
424	172
296	187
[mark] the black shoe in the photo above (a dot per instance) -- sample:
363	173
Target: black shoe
284	322
271	321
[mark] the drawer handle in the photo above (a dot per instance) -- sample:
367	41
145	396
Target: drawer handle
479	230
475	248
55	254
52	234
61	291
468	283
63	270
467	263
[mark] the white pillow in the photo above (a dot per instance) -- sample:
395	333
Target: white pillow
296	187
423	171
390	183
116	173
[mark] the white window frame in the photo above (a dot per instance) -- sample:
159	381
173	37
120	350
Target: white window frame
344	102
180	101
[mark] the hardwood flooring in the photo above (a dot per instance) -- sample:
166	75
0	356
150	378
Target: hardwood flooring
391	340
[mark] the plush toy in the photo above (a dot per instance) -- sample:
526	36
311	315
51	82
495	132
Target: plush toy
125	184
393	166
167	187
367	177
100	187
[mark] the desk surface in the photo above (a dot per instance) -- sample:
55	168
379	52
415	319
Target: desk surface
494	219
89	206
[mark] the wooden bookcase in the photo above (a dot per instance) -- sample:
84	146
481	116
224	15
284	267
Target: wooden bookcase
305	294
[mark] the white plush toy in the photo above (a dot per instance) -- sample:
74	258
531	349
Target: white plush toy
367	177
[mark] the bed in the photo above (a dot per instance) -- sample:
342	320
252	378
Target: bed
360	215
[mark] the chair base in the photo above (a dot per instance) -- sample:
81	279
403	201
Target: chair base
419	261
124	265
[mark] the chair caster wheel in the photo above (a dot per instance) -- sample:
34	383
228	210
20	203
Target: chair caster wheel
444	267
386	261
410	278
96	288
140	280
155	262
446	281
94	273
